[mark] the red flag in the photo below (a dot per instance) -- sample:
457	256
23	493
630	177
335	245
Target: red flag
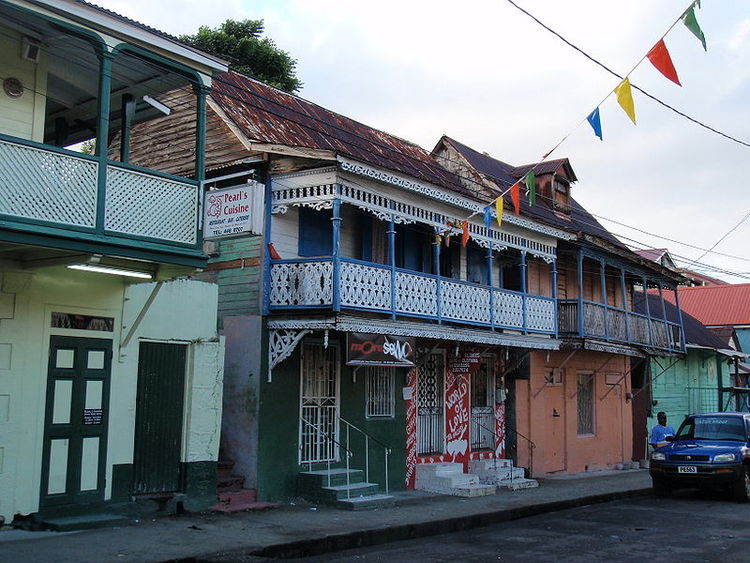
464	233
515	195
659	57
273	253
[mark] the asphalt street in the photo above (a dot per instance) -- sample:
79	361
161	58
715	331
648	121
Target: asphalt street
691	526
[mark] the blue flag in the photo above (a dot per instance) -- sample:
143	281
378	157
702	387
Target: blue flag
487	217
595	123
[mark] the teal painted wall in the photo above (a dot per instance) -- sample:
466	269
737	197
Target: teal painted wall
278	430
240	288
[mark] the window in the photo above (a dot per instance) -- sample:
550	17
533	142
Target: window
585	398
561	195
380	399
315	232
554	377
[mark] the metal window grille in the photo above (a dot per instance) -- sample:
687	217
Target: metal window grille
585	397
430	421
483	406
318	404
380	397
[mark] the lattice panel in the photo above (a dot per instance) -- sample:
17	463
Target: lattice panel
465	302
616	322
47	186
416	294
148	206
365	286
540	314
301	283
508	309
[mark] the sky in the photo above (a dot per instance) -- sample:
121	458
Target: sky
487	75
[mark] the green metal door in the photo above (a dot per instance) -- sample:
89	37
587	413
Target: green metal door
75	428
158	418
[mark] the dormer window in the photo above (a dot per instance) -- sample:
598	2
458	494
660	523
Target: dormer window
561	195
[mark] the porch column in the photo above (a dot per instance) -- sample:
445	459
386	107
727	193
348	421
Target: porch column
581	331
438	273
336	219
603	284
490	262
392	263
102	134
553	273
267	240
201	92
625	304
679	318
523	290
648	309
127	111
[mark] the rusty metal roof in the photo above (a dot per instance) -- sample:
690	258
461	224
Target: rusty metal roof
716	305
271	116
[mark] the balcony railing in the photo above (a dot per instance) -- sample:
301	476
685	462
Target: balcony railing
352	284
58	188
617	325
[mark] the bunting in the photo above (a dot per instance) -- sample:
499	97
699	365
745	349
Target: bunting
487	216
531	187
691	22
464	233
595	122
659	57
499	202
515	196
625	98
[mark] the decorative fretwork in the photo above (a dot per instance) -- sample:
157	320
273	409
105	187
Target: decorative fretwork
149	206
301	283
416	294
365	286
508	309
540	314
430	425
463	301
47	186
281	344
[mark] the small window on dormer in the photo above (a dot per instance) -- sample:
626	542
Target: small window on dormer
561	195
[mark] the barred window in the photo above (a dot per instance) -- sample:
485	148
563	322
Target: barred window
585	397
380	398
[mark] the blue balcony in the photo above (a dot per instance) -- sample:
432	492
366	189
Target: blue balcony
348	284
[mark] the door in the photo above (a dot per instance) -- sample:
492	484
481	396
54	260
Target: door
430	405
319	403
158	418
483	406
75	428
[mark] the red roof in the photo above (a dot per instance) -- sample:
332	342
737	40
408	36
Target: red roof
716	305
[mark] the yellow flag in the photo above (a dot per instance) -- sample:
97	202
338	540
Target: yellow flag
625	98
499	210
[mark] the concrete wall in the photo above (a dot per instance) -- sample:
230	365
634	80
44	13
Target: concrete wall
548	413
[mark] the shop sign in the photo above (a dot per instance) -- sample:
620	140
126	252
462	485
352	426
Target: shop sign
232	211
379	350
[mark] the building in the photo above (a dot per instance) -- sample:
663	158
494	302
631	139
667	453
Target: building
110	386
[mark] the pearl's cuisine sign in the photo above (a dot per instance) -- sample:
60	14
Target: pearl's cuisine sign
379	350
227	212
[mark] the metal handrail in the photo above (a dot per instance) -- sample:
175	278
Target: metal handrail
386	449
494	442
532	445
329	438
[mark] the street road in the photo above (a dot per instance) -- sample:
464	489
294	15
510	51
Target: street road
691	526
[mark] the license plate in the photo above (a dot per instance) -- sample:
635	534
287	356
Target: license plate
687	469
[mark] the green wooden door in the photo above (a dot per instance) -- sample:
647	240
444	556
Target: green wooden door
75	429
158	419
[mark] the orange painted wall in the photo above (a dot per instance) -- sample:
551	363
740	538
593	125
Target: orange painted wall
548	414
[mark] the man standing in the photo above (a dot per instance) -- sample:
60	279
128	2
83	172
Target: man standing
660	432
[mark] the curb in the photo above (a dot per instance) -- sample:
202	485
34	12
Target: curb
372	537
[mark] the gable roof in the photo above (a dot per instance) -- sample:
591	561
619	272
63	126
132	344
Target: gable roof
716	305
654	254
267	115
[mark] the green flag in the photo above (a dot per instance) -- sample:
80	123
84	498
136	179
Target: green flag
691	23
531	186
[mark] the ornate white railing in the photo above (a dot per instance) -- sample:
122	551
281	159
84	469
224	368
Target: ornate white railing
310	283
61	188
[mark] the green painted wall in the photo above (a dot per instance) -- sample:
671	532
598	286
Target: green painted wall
278	429
240	288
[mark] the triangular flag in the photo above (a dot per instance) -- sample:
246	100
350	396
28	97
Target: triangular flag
690	21
625	98
595	122
515	196
464	233
531	187
499	210
487	216
273	253
659	57
438	239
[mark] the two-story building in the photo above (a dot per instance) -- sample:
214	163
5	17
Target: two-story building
110	366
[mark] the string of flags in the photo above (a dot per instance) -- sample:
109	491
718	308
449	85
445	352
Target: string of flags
658	56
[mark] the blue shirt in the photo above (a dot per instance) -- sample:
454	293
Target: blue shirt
659	434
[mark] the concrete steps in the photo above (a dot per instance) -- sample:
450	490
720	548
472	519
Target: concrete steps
501	473
231	494
342	488
450	479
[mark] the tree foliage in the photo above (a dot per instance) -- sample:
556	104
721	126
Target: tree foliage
240	43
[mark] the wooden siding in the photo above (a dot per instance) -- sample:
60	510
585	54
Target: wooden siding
240	287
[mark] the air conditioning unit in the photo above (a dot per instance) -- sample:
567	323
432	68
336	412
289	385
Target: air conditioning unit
31	49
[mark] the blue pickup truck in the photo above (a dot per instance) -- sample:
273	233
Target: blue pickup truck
709	450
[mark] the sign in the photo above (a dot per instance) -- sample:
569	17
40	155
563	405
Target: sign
92	416
232	211
379	350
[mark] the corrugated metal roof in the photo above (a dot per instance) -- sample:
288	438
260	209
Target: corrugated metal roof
654	254
268	115
716	305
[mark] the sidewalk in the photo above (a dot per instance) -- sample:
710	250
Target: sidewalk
305	530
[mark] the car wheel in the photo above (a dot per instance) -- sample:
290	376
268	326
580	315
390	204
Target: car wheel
661	489
742	486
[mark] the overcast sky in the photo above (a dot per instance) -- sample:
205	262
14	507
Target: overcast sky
487	75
